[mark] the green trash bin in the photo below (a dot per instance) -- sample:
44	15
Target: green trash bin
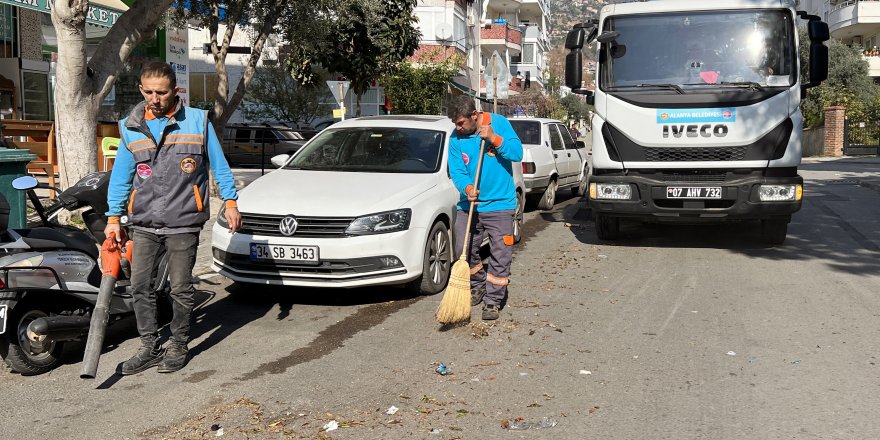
13	164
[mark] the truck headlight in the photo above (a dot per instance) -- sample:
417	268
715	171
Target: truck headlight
383	222
780	193
610	191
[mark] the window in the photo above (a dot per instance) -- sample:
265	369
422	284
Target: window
242	135
555	139
35	94
529	132
566	138
8	22
203	87
528	53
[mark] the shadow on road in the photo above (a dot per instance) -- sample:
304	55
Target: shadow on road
246	303
817	232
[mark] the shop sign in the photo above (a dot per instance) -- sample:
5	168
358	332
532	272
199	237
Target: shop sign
97	15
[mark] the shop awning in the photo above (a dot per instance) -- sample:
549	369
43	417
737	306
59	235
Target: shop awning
101	12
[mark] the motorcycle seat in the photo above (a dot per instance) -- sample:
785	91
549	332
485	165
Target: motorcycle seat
44	238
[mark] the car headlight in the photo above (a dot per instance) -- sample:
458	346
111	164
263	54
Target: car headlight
383	222
610	191
780	193
221	217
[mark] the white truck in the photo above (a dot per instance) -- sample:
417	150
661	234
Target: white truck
697	111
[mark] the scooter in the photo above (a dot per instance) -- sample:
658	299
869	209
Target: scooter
50	276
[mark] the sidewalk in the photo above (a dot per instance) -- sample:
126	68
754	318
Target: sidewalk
864	170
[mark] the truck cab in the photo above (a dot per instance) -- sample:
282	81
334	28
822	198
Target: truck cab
697	111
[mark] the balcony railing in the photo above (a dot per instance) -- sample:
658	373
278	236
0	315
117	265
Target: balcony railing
503	32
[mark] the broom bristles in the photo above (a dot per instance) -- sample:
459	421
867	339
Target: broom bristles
456	303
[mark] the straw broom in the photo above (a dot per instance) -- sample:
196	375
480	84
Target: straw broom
456	303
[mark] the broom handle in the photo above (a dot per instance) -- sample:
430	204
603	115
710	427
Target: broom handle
467	231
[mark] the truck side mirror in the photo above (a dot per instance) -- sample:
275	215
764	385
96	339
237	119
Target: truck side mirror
574	69
818	31
818	62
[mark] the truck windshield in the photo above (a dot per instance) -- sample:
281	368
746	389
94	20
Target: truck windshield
706	50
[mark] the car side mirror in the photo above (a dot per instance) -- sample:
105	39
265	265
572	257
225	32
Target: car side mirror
581	144
279	160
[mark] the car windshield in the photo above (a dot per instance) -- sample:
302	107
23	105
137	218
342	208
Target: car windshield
372	150
711	50
529	132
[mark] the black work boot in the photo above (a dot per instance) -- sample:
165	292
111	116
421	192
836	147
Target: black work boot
490	312
176	357
477	295
148	356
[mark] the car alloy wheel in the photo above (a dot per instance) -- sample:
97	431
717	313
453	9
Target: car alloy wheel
439	257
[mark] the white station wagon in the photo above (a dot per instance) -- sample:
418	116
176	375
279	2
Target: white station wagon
367	201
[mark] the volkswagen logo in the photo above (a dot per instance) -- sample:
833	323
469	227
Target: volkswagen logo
288	225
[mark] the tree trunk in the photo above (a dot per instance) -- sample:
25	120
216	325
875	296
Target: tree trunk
225	104
76	112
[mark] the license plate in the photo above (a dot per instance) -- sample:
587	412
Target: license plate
277	252
693	192
4	309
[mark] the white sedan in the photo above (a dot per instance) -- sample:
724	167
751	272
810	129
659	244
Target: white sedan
367	201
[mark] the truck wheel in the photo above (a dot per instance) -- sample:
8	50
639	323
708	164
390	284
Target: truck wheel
22	355
436	264
774	231
607	228
518	217
581	189
548	199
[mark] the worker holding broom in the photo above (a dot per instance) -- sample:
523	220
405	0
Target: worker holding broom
486	140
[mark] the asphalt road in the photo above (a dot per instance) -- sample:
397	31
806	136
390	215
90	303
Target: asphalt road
674	332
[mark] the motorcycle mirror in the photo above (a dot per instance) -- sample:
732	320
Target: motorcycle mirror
25	183
280	160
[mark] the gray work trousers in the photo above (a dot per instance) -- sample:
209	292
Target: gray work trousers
495	278
181	250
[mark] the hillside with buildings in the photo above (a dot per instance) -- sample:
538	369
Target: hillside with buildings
566	13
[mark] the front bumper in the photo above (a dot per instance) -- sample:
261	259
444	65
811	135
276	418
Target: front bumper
739	199
344	261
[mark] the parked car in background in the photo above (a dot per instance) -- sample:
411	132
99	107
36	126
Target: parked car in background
368	201
249	144
552	160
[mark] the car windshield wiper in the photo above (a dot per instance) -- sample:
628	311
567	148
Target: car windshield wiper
744	84
659	86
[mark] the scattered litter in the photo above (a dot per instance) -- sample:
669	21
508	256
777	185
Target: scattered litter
587	372
795	362
392	410
436	431
216	428
693	311
594	409
218	433
572	225
752	359
521	425
523	374
442	369
476	379
636	357
331	426
731	353
604	257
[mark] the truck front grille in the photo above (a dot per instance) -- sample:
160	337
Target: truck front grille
695	154
694	176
